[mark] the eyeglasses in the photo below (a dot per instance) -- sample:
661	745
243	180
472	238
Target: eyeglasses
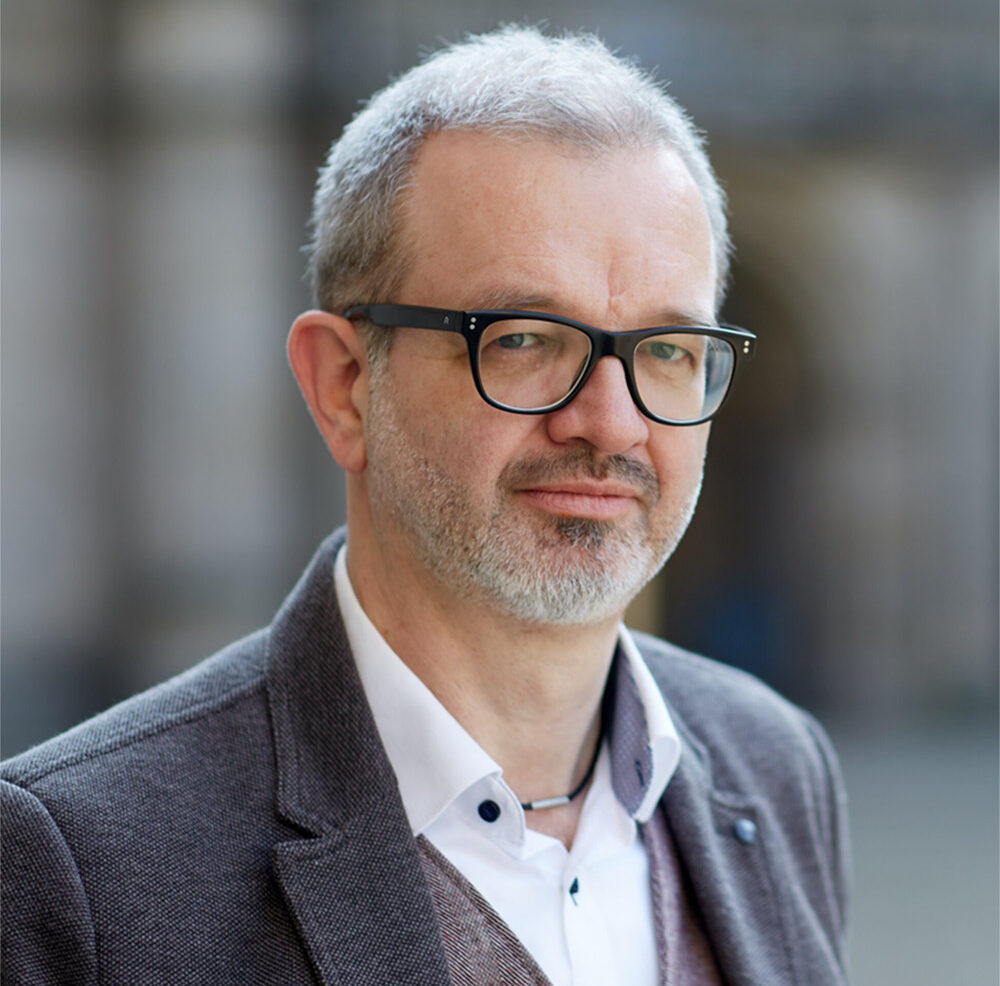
534	363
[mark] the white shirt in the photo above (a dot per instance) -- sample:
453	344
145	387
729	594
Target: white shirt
603	932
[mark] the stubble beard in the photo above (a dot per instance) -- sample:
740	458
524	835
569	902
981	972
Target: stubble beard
539	569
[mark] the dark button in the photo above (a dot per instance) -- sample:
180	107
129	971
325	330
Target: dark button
745	830
489	811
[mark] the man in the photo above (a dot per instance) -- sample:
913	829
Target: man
446	760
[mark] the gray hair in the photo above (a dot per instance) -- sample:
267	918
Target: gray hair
512	82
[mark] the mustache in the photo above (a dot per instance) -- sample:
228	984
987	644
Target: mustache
581	463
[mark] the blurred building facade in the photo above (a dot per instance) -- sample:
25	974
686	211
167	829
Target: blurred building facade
161	481
162	484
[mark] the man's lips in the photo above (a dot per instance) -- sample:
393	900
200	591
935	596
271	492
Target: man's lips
577	483
597	500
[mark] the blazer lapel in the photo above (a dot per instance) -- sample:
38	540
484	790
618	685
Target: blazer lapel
723	841
362	914
353	881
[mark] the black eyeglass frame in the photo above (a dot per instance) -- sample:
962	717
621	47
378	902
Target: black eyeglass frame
473	323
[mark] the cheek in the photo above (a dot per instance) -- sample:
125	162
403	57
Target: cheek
478	449
678	457
477	445
456	443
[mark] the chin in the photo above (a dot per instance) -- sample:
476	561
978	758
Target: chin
590	583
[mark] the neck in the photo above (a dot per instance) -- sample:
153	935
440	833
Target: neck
530	695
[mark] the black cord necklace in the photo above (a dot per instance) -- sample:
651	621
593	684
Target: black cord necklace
565	799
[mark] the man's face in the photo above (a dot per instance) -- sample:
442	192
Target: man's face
558	518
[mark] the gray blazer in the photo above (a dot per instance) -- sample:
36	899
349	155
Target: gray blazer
241	824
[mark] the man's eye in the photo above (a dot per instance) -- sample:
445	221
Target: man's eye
517	340
667	351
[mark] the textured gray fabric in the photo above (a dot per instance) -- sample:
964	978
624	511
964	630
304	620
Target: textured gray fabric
241	824
631	757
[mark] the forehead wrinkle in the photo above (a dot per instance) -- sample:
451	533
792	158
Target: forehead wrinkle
623	288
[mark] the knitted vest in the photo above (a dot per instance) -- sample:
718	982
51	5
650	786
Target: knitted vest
481	950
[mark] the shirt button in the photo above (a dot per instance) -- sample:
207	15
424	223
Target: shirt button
489	811
745	831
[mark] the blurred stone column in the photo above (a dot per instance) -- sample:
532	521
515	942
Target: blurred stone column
59	493
209	288
153	213
888	512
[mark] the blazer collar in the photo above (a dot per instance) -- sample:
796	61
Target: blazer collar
354	883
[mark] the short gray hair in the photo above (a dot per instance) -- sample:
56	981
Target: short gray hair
513	82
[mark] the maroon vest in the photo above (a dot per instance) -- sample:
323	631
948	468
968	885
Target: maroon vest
481	949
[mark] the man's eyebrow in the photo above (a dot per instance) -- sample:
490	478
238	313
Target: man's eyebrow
506	299
672	317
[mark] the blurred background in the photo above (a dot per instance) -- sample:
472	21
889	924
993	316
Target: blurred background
162	484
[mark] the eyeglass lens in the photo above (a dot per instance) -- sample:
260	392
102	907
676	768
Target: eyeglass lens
530	364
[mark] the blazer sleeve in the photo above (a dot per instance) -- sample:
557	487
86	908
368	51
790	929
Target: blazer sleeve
48	933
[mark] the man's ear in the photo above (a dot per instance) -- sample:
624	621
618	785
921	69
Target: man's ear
328	359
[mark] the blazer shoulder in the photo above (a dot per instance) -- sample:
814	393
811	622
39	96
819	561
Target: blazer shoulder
705	690
208	687
744	727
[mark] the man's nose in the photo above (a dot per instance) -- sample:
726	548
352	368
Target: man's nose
603	413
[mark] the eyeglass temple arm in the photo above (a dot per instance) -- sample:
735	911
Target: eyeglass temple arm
410	316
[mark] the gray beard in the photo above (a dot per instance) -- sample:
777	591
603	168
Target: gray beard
570	571
610	571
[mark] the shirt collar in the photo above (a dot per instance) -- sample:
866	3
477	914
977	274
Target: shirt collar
645	747
436	760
